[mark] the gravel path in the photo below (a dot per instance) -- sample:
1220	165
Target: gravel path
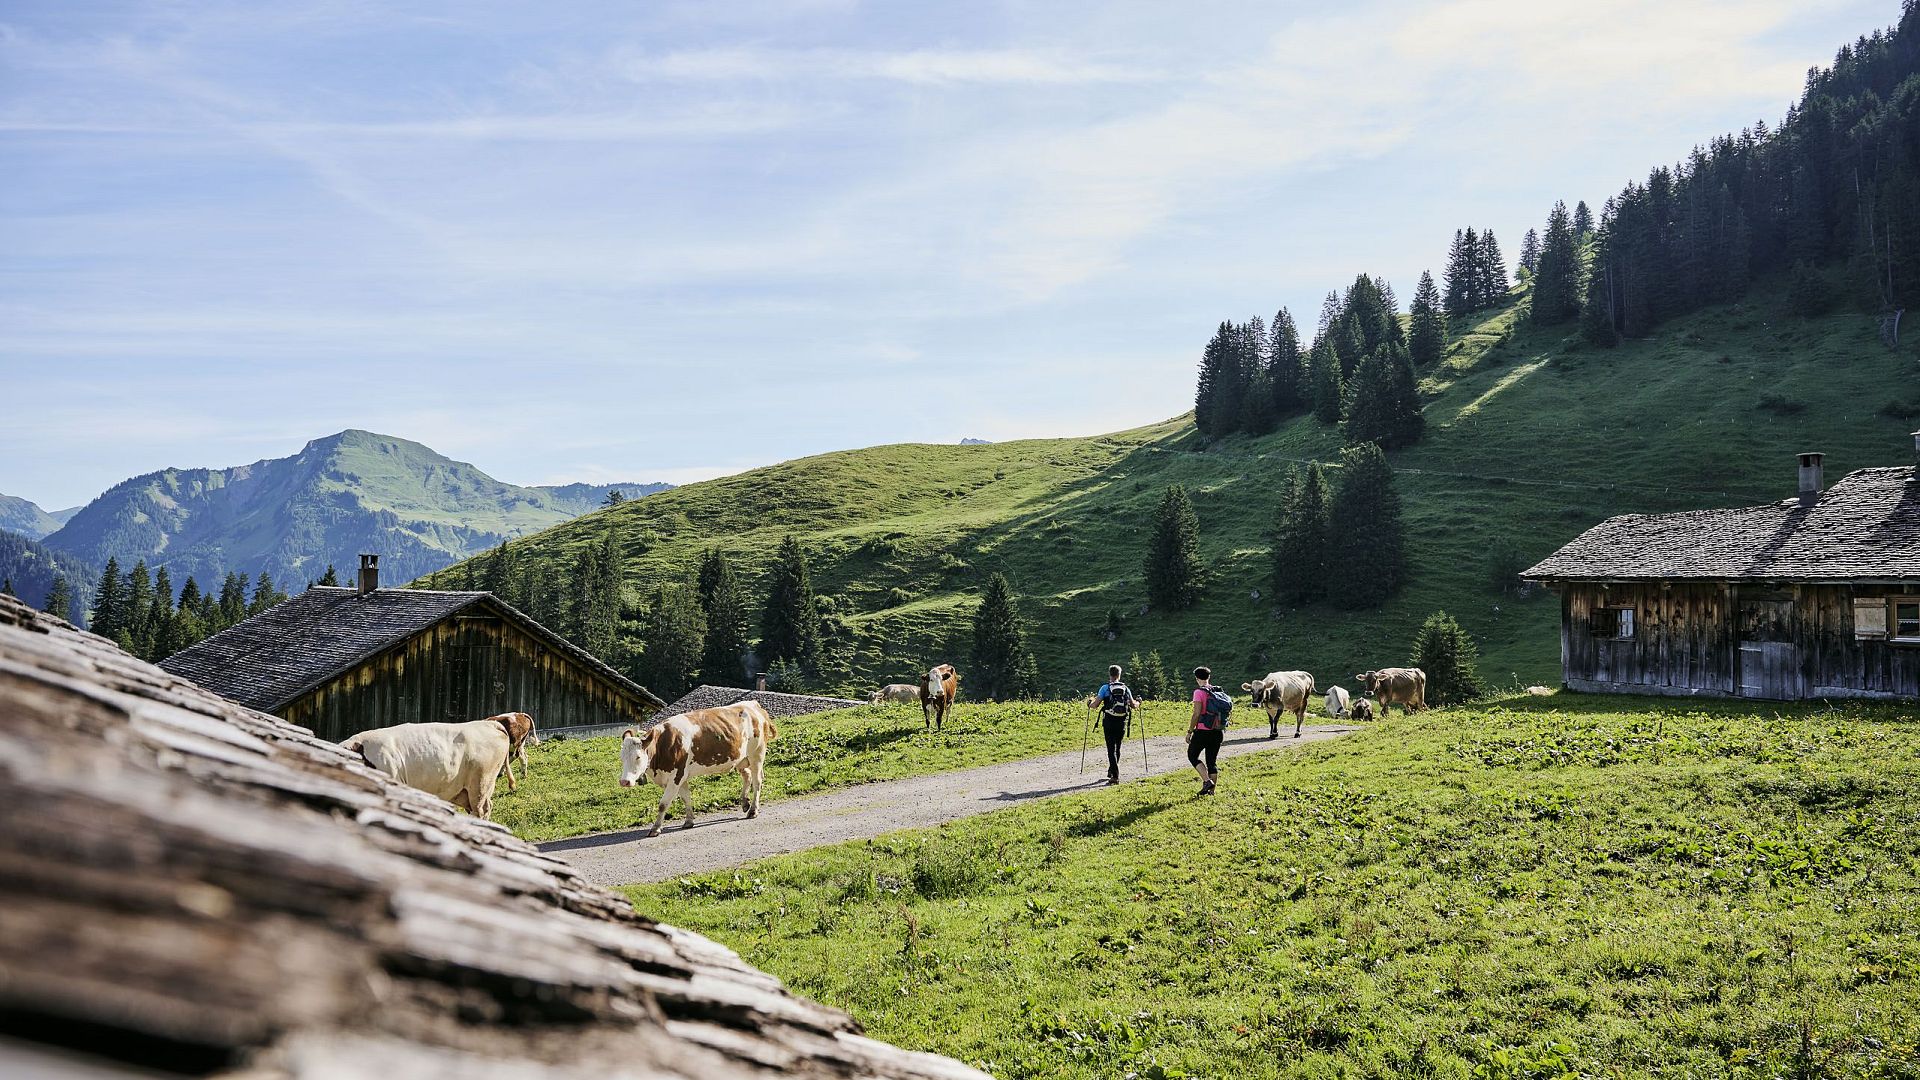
725	838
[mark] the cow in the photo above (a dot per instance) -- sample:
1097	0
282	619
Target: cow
1363	709
1402	686
456	762
520	732
704	742
900	693
1338	702
1282	691
937	689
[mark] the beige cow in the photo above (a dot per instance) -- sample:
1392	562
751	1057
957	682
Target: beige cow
900	693
1279	692
456	762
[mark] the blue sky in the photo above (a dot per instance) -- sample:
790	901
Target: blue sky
600	241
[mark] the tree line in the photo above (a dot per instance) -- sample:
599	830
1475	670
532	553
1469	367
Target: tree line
139	611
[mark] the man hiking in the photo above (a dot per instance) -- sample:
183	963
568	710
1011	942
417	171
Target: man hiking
1116	704
1210	709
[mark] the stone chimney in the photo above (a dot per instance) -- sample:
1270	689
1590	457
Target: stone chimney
369	574
760	681
1810	478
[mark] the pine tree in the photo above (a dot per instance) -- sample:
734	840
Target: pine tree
233	599
1369	563
1582	223
1461	262
1329	388
599	597
330	579
1219	395
1448	656
138	607
109	602
190	596
1427	339
6	588
264	595
1530	251
999	643
790	624
1556	296
724	604
1490	272
1157	686
1173	569
1259	416
1302	540
673	637
60	599
160	618
1386	402
1330	312
614	498
1286	367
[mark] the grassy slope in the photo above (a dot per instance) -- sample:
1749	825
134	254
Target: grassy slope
1532	437
575	787
1683	890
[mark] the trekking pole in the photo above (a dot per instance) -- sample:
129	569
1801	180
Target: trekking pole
1086	736
1145	769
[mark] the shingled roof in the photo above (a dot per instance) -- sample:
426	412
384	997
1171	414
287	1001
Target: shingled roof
777	705
293	647
1864	528
191	887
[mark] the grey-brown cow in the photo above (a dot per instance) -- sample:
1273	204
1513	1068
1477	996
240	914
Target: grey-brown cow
1402	686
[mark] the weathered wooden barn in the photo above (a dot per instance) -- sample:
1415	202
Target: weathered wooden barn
1814	597
341	660
193	888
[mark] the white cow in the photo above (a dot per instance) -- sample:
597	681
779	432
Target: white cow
1282	691
900	693
704	742
456	762
1338	702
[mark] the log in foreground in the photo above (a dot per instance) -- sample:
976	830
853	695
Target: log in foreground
188	886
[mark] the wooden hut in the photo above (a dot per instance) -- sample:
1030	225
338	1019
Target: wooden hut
190	887
341	660
1814	597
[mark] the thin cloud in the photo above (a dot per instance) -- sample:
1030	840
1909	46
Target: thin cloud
922	66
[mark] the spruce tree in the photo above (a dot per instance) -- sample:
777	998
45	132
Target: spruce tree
1530	251
1302	537
190	595
790	623
1461	262
999	643
1427	339
1173	569
60	599
1556	296
724	604
1582	222
1329	387
138	627
614	498
264	595
1158	686
109	602
233	599
1259	416
673	637
160	618
1219	394
330	579
6	588
1448	656
1369	563
1490	272
1386	402
1286	367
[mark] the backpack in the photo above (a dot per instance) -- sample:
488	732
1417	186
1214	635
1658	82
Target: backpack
1119	700
1218	707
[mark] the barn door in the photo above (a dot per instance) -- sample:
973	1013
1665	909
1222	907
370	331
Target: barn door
1769	658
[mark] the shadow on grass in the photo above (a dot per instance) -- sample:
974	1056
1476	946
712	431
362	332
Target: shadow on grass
624	836
1126	819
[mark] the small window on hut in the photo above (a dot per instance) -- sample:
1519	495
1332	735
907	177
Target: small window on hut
1611	622
1870	617
1906	620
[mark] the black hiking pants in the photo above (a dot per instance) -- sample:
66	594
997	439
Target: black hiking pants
1115	729
1208	743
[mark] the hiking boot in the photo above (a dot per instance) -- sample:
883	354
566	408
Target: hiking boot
1112	780
1206	788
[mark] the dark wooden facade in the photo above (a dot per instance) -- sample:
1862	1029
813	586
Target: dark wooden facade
1774	641
468	666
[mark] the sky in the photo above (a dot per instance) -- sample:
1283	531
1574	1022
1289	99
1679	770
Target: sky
672	240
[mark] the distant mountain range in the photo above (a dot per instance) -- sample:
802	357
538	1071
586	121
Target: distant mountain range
291	517
24	518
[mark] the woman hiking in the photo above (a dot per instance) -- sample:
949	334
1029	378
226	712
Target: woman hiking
1116	704
1210	709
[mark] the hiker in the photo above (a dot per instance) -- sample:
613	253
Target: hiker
1116	704
1211	705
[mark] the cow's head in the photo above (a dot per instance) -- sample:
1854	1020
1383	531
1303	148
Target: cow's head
1368	681
635	751
1257	689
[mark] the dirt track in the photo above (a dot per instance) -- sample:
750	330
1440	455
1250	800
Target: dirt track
725	838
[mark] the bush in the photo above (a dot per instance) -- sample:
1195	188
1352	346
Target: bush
1444	651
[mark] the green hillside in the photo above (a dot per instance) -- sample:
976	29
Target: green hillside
1532	437
341	495
25	518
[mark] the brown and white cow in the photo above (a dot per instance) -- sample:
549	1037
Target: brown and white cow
520	733
900	693
1363	709
1402	686
704	742
456	762
937	689
1282	691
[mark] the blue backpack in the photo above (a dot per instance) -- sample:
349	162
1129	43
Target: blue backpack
1218	707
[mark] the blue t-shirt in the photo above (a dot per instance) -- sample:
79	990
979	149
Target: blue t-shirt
1106	690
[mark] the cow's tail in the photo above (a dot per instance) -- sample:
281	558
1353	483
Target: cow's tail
772	732
1310	683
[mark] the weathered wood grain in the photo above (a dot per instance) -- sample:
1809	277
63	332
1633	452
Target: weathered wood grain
188	886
